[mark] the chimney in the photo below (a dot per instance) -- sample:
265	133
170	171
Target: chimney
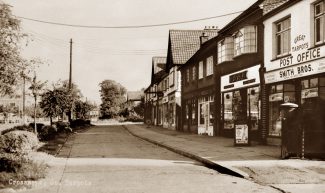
203	38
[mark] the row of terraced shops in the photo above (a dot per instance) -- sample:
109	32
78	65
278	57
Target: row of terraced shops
259	79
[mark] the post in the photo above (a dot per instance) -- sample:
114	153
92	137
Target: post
70	80
70	72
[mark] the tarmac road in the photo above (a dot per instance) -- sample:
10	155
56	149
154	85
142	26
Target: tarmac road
109	159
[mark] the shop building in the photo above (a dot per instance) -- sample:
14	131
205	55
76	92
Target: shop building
198	88
240	79
182	45
295	71
153	101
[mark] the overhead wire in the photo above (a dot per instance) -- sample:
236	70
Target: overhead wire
126	26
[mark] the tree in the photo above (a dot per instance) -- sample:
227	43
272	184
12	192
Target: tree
11	62
36	87
55	103
74	95
82	109
113	97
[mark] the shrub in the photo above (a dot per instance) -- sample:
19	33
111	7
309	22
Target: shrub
10	162
20	142
80	123
47	132
20	168
38	126
133	117
20	128
63	126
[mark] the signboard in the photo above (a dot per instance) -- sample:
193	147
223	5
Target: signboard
241	132
276	97
297	58
297	71
309	93
247	77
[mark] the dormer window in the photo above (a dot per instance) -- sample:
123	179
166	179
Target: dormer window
225	50
245	40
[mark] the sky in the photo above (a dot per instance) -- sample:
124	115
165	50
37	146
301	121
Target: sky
123	55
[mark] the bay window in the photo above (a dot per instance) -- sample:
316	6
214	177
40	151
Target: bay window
225	49
245	40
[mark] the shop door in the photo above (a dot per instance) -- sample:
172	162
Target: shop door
203	117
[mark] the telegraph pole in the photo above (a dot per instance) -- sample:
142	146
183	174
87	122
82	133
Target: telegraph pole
70	80
70	73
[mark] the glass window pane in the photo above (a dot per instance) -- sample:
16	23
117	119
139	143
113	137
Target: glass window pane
304	84
314	82
289	87
275	118
279	88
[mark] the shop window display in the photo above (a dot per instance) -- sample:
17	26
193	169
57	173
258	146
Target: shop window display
278	95
228	119
253	109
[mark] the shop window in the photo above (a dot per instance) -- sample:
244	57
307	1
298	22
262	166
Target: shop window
193	113
201	70
211	114
253	109
225	49
209	66
245	40
186	112
309	89
228	120
319	22
201	109
283	37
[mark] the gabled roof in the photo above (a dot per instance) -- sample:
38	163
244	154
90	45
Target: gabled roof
182	44
158	68
134	95
251	9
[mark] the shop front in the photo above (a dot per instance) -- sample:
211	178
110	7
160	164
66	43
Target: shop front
165	112
241	104
301	83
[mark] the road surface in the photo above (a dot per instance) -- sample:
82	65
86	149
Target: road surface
109	159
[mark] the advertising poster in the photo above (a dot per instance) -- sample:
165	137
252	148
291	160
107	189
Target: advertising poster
241	132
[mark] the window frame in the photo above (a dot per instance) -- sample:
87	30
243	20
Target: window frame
209	66
279	51
320	16
245	40
201	70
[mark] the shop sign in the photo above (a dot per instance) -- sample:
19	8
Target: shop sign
241	134
297	71
243	78
300	53
309	93
276	97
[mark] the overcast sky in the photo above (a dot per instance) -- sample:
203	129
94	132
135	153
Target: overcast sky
123	55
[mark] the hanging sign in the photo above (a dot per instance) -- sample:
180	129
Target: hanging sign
241	132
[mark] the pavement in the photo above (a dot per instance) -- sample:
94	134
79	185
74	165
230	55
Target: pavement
260	164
